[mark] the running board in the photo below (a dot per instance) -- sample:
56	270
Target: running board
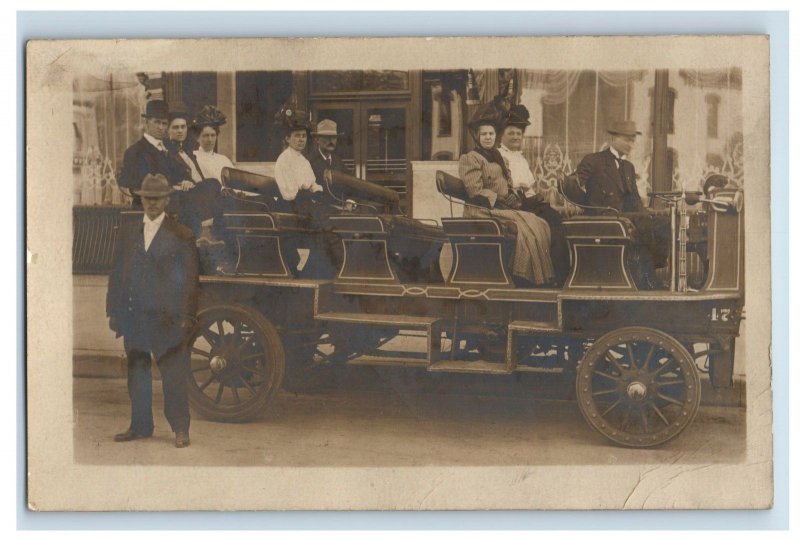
529	328
533	327
475	367
430	325
386	320
373	360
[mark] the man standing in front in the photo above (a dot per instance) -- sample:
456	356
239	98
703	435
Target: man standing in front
151	303
323	156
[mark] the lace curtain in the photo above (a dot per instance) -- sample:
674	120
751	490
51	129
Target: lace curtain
569	112
106	121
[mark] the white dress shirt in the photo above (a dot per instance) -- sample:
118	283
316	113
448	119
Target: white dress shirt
617	156
293	173
158	143
196	176
519	168
211	163
328	159
151	228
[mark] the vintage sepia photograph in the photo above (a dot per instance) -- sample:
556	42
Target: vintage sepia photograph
396	273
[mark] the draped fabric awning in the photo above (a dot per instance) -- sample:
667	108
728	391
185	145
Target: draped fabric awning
559	85
730	78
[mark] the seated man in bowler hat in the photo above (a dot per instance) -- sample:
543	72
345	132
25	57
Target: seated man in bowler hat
149	155
151	303
610	182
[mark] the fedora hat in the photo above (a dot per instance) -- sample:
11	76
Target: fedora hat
154	186
156	109
518	116
327	128
623	127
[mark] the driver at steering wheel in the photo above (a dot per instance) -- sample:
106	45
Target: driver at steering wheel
610	183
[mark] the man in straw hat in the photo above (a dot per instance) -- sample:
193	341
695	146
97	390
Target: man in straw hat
609	178
610	182
323	156
151	303
149	155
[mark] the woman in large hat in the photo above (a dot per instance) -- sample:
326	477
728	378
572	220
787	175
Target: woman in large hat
488	182
206	126
301	192
196	199
293	171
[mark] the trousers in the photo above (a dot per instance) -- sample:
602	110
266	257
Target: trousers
174	368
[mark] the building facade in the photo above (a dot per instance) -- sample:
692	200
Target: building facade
400	126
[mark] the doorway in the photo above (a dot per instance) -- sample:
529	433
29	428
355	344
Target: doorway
375	142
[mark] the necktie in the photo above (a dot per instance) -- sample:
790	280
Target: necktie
625	180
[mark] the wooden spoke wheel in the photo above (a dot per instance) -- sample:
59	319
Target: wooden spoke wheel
237	363
638	387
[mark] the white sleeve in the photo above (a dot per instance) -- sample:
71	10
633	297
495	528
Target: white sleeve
283	176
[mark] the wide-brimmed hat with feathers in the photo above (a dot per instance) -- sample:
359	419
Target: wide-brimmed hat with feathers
518	116
291	118
487	113
209	116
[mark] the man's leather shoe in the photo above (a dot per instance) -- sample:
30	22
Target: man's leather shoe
181	439
130	435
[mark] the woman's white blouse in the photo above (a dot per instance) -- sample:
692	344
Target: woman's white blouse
211	163
293	173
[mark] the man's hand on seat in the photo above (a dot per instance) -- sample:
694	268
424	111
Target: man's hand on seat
186	185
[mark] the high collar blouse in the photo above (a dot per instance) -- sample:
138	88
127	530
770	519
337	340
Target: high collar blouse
211	163
293	173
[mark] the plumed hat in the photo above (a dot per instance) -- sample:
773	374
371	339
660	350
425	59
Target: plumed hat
486	113
518	116
209	116
291	118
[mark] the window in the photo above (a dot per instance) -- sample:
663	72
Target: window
671	95
712	118
198	89
259	96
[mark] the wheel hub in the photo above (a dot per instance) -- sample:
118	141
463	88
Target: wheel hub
636	391
218	363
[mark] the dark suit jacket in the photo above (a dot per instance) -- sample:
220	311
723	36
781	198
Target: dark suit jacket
142	158
319	164
152	296
174	153
607	185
